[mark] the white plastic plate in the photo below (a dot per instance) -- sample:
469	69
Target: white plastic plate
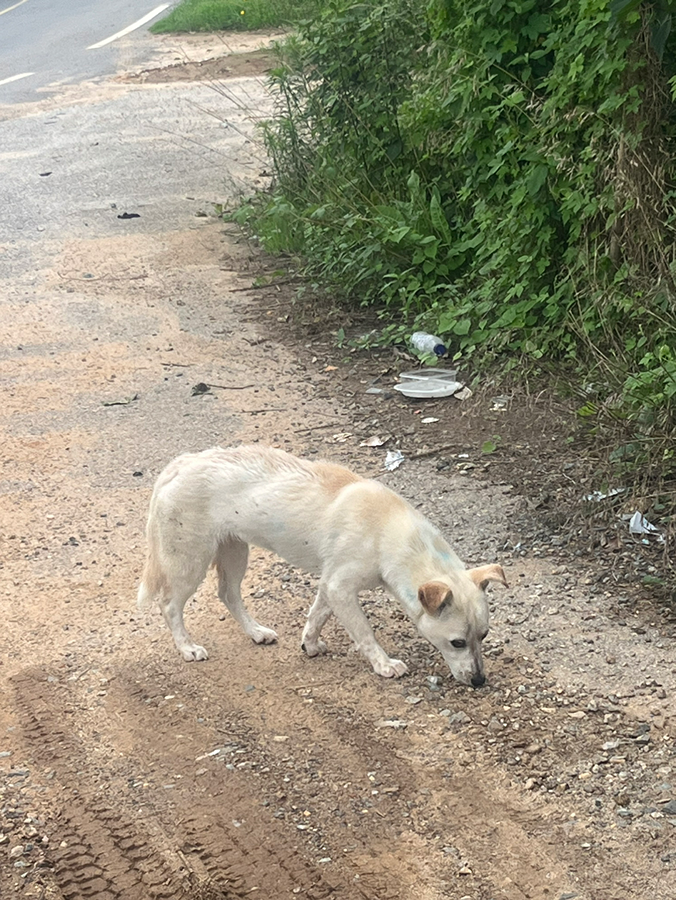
428	388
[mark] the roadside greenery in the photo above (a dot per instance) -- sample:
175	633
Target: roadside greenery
501	172
231	15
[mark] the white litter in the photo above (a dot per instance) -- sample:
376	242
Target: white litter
500	404
638	524
597	496
428	420
374	441
424	383
393	460
464	394
429	388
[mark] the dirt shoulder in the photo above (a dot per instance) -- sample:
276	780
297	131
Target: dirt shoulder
125	772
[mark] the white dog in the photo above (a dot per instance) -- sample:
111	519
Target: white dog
354	533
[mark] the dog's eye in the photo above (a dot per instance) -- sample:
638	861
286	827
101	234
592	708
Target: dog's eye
459	644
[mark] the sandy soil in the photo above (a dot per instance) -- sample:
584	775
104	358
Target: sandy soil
127	773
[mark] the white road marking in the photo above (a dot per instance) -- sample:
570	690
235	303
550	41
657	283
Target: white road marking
129	28
16	77
10	8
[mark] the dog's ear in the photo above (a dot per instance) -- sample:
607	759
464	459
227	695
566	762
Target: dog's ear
434	596
482	575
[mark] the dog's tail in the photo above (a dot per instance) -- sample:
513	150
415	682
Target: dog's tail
143	598
153	582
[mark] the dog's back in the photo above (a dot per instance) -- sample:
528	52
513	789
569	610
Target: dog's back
258	495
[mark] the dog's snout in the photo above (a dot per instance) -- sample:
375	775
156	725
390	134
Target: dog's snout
478	680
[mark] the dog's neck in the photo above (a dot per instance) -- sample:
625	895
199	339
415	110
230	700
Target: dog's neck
434	561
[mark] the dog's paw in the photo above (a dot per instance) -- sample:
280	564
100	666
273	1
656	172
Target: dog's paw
313	649
193	653
393	668
262	635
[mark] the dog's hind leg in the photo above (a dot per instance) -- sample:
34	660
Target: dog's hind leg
317	617
231	560
171	583
172	602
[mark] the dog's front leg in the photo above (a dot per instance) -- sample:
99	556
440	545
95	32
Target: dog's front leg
342	595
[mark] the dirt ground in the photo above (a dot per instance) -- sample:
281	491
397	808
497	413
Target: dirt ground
127	773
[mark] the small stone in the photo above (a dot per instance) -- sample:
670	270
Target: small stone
465	870
669	808
16	852
459	718
5	753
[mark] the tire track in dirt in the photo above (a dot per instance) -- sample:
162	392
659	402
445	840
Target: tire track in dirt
113	851
103	853
334	738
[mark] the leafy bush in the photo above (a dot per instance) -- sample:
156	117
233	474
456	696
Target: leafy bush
500	172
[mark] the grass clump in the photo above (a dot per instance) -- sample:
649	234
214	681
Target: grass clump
234	15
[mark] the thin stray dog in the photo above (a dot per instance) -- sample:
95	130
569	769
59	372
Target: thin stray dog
353	532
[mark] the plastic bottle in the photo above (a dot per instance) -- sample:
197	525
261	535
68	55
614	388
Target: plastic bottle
427	343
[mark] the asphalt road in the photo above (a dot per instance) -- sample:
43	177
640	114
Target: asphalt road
45	44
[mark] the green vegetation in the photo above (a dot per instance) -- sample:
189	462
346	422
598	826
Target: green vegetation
501	172
230	15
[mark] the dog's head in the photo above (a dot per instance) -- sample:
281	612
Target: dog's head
455	619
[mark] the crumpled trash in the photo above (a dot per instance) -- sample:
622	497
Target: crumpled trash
463	394
597	496
374	441
499	404
393	460
639	525
429	420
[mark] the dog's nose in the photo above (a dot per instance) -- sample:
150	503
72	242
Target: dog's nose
478	680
